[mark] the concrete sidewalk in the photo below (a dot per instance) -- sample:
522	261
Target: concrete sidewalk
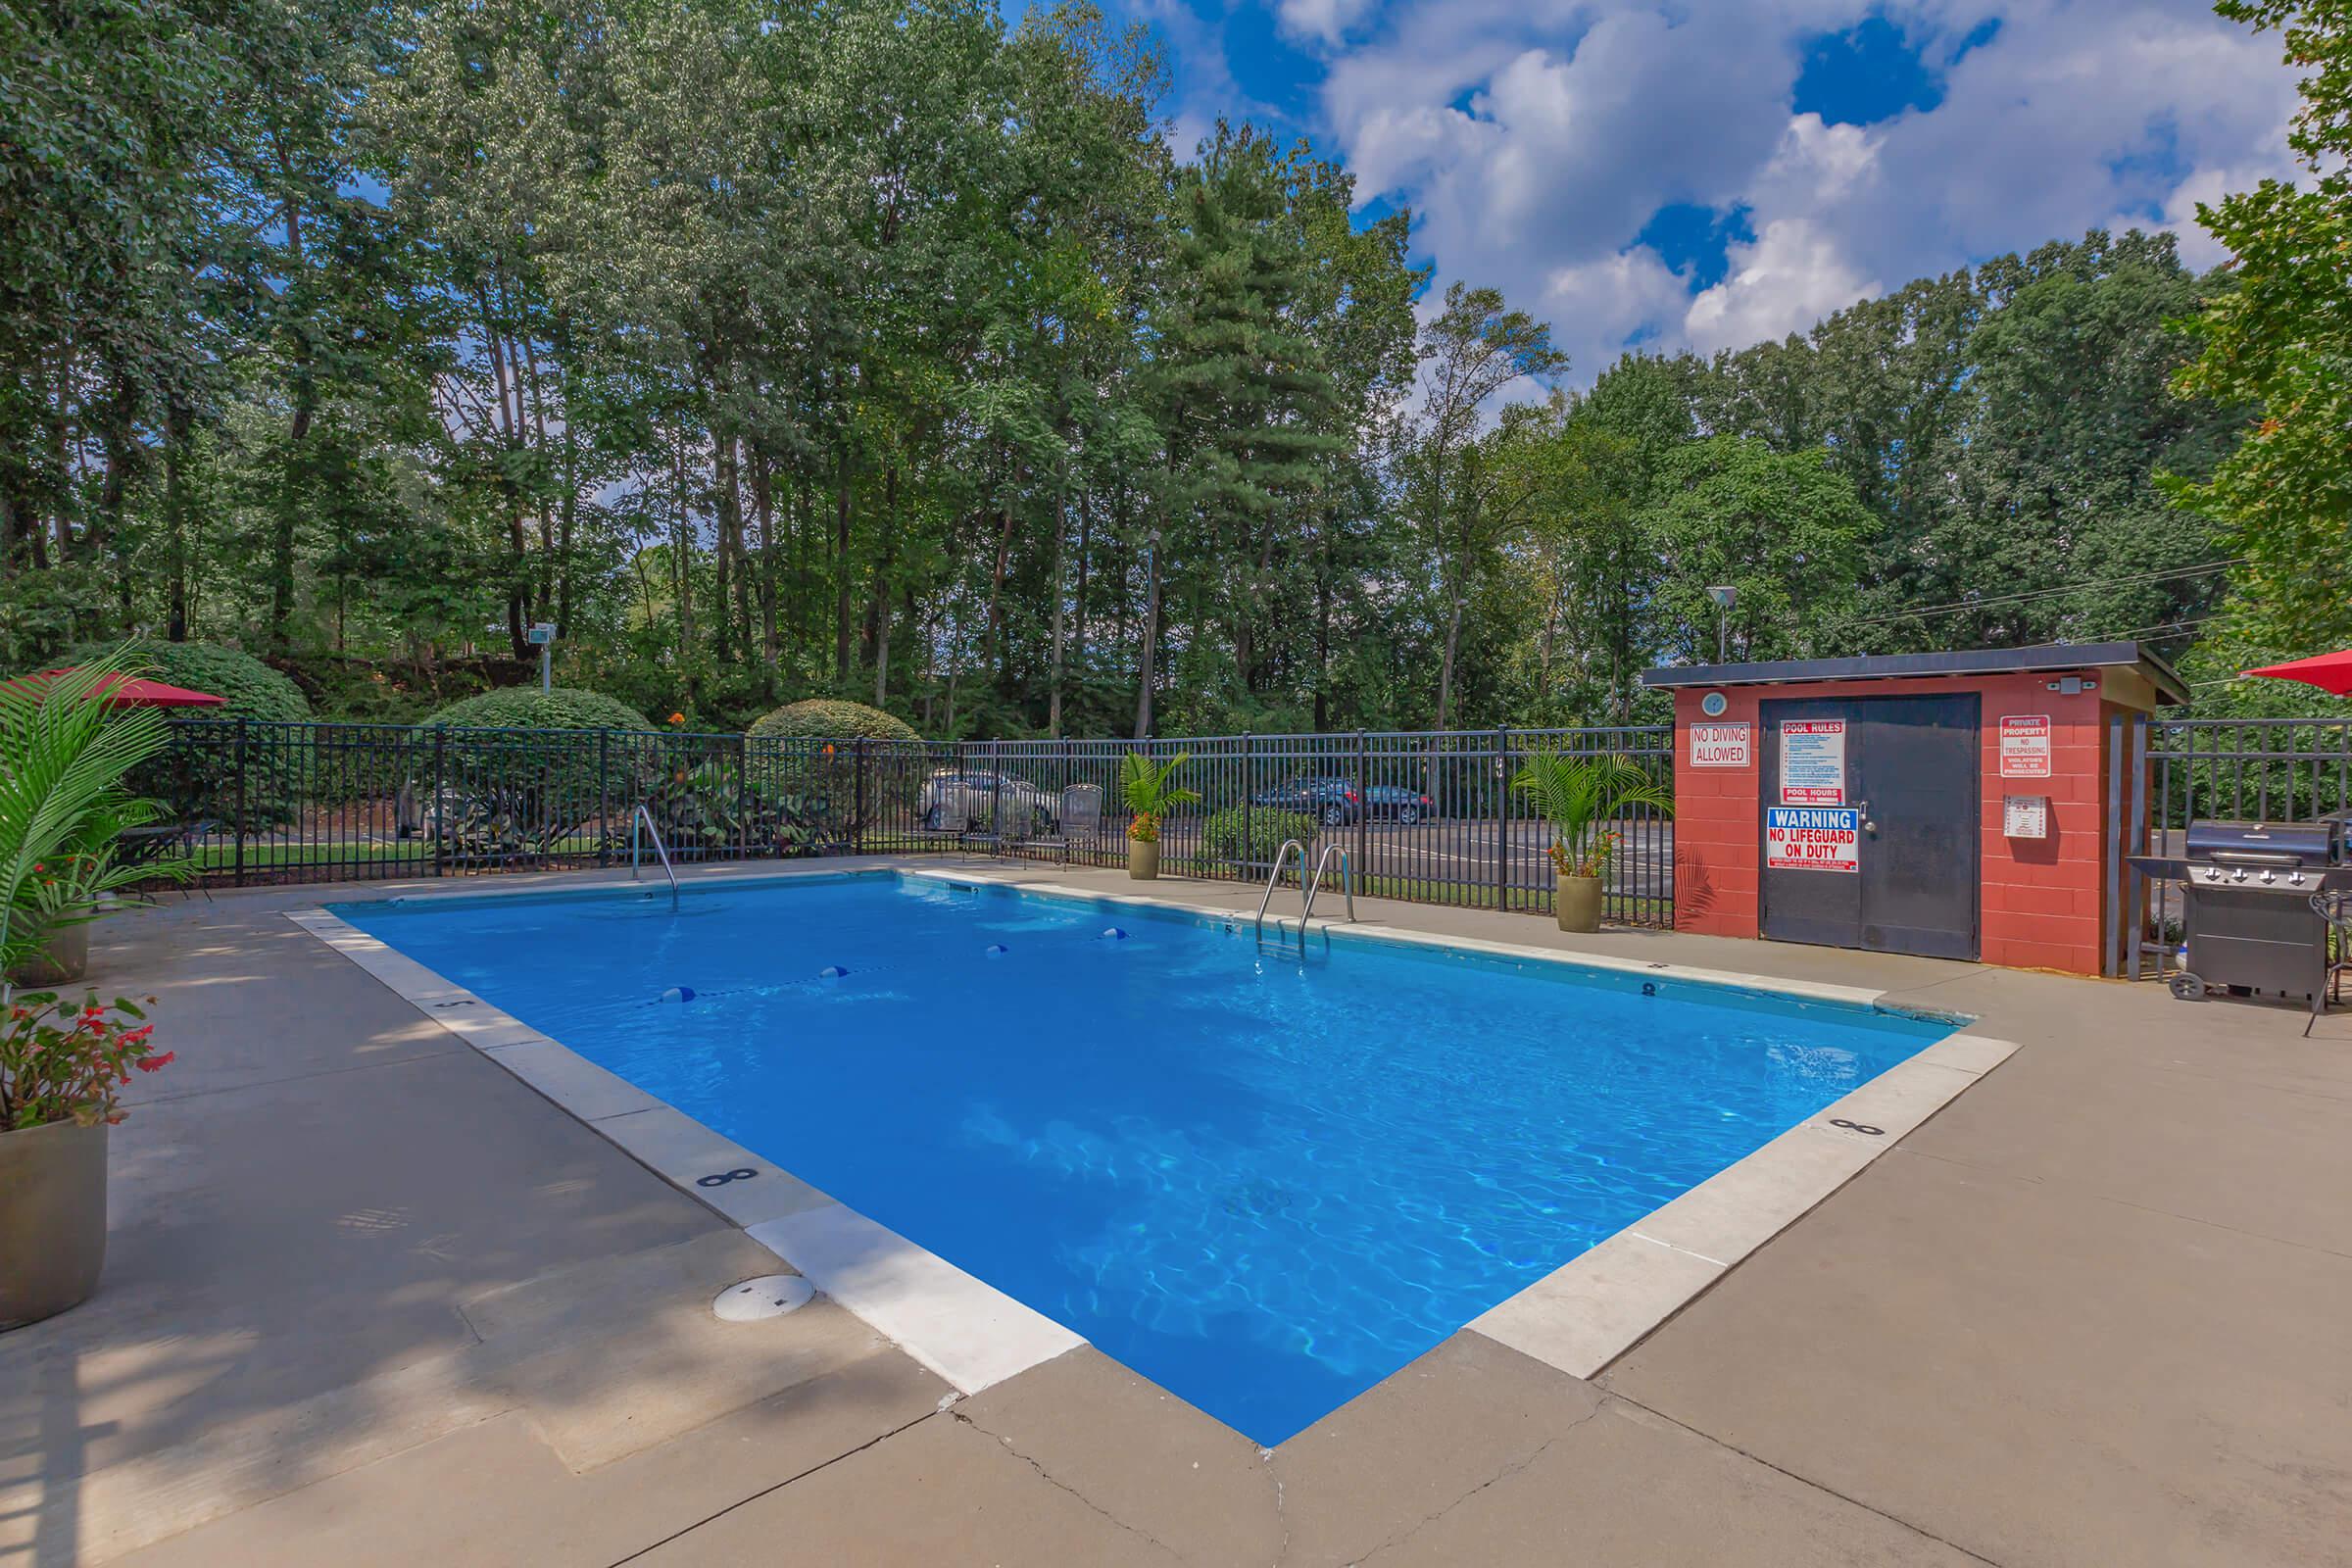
373	1301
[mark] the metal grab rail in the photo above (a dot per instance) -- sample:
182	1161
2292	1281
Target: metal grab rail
1347	884
640	815
1281	855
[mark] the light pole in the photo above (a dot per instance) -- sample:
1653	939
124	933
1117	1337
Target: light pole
1725	596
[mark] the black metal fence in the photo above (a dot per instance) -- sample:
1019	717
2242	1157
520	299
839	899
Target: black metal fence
1423	815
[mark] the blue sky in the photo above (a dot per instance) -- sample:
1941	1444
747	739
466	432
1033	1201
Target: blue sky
1710	173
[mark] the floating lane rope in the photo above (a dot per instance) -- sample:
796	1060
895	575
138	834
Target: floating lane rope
831	972
678	994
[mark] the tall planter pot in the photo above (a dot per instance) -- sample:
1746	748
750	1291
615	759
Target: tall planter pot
52	1219
1577	901
1143	860
64	959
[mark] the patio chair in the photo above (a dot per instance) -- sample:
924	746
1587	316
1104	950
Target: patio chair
1080	817
145	846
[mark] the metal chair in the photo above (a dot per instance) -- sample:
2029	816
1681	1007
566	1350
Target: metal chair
2336	908
1080	816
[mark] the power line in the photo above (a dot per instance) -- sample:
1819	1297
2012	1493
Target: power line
2162	625
2167	574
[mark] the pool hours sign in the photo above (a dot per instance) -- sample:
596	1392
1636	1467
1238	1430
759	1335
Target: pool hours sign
1813	762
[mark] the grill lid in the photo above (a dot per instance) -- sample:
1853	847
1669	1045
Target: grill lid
2281	844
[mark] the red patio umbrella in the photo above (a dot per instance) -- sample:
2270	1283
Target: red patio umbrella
2330	672
135	693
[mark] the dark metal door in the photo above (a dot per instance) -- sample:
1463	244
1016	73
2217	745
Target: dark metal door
1895	858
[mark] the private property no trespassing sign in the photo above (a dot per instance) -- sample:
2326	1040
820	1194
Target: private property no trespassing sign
1719	746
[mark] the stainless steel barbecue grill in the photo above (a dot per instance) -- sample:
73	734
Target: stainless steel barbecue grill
2252	905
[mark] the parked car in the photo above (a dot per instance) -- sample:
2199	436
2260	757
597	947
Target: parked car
962	800
1333	800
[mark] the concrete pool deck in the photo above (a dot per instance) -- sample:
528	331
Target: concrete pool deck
373	1299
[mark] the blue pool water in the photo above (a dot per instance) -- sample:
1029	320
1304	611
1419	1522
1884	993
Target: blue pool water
1264	1181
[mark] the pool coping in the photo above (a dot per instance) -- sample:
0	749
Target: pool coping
1578	1318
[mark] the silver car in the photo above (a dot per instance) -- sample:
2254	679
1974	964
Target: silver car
961	800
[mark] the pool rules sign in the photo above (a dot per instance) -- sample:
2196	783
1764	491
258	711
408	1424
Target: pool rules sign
1813	762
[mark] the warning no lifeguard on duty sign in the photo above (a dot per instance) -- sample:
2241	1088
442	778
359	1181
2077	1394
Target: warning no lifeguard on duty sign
1812	838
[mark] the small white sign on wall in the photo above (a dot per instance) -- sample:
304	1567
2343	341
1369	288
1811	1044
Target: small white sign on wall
2026	816
1720	746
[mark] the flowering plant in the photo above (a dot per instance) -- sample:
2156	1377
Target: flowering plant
62	1060
1152	791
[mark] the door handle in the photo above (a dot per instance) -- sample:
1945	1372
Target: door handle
1863	809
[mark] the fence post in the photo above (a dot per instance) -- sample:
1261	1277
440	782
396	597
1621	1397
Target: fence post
243	764
1363	817
858	819
1248	818
1502	818
440	807
2136	822
604	797
743	797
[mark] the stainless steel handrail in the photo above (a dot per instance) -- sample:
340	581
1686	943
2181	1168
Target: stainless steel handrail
1281	855
1347	884
640	815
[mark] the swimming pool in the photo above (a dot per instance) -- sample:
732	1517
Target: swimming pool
1266	1179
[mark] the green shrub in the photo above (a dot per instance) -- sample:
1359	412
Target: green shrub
196	777
520	768
808	751
1252	834
529	707
831	719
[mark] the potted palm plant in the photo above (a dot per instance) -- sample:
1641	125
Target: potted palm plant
1152	791
1581	798
63	754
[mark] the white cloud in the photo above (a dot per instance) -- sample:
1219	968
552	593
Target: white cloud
1326	20
1788	278
1535	144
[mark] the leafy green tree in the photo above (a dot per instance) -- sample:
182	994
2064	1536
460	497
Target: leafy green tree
2279	341
1783	528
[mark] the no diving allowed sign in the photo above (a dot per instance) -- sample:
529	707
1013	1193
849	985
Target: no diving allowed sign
1812	838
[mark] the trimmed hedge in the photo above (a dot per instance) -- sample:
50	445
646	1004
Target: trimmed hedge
1255	834
529	707
520	768
830	718
197	775
791	749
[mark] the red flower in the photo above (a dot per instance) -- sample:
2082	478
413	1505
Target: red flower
159	1063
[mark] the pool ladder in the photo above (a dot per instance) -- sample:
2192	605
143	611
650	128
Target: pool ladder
645	818
1309	883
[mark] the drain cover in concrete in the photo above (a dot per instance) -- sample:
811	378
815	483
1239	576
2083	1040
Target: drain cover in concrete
768	1295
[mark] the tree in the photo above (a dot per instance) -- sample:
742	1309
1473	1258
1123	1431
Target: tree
1475	349
2280	342
1782	529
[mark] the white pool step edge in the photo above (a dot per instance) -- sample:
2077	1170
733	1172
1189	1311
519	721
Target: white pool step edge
1578	1319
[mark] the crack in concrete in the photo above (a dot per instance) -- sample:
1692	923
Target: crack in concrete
846	1453
1056	1482
1399	1538
1806	1482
